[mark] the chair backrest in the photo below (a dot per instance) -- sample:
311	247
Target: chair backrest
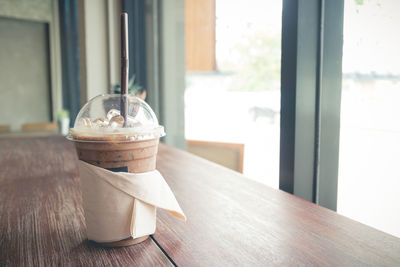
229	155
44	126
5	128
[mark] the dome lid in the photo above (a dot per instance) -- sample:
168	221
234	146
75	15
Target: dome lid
100	121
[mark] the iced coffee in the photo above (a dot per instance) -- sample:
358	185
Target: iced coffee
102	139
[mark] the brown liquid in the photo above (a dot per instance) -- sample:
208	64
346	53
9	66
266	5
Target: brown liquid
132	156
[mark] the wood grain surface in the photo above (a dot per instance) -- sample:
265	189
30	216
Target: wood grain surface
41	216
233	221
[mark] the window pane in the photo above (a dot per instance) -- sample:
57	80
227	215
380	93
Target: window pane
369	174
237	100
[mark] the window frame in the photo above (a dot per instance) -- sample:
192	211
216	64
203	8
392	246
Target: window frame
311	77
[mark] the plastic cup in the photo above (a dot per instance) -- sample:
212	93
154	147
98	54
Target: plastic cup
102	142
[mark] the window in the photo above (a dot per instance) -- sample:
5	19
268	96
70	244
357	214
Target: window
233	82
369	177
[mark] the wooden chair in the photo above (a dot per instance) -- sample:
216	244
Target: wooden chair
5	128
44	126
229	155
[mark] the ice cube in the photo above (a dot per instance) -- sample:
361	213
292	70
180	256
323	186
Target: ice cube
112	113
84	122
100	122
116	121
132	122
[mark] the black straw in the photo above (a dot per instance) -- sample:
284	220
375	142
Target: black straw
124	66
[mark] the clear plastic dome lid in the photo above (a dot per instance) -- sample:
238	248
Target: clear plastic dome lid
100	121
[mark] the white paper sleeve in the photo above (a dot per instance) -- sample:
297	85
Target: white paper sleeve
119	205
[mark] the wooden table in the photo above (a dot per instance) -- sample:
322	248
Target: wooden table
232	221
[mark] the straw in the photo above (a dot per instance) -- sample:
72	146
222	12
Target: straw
124	66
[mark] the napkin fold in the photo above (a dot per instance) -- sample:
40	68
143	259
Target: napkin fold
119	205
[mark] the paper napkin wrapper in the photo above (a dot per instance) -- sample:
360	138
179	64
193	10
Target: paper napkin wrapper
119	205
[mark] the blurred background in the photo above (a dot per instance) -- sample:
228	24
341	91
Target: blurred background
211	70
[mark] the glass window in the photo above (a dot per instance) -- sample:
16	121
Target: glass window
236	100
369	173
